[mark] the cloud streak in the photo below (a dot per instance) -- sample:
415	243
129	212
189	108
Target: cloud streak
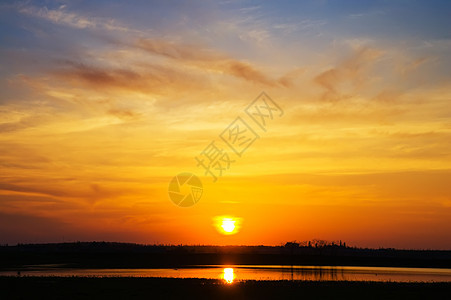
351	71
62	17
206	59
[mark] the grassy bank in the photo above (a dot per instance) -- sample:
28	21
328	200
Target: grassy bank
167	288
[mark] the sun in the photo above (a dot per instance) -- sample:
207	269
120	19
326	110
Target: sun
227	225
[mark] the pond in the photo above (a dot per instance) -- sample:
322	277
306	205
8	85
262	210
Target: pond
233	273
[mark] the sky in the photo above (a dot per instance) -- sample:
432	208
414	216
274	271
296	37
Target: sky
102	103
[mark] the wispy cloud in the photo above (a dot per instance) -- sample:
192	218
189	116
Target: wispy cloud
61	16
350	71
206	59
296	27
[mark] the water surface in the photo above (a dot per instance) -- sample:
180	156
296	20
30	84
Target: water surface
232	273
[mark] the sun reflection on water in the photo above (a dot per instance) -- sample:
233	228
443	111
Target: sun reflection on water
228	275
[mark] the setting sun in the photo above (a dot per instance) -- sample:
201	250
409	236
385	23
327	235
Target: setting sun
228	225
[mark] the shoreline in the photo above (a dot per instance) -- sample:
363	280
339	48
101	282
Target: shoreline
174	288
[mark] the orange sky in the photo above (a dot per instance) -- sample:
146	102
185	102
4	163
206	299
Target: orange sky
101	106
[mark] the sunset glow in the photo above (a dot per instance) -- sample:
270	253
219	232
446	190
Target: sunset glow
104	106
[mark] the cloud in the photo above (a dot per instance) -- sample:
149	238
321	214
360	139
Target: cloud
206	59
411	66
16	228
177	51
171	68
247	72
27	228
37	189
351	71
305	26
288	79
125	114
62	17
23	123
102	77
382	186
149	79
250	9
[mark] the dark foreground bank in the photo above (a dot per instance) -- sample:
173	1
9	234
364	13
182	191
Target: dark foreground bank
167	288
102	255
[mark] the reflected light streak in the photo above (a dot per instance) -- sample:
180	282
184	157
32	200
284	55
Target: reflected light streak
228	275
